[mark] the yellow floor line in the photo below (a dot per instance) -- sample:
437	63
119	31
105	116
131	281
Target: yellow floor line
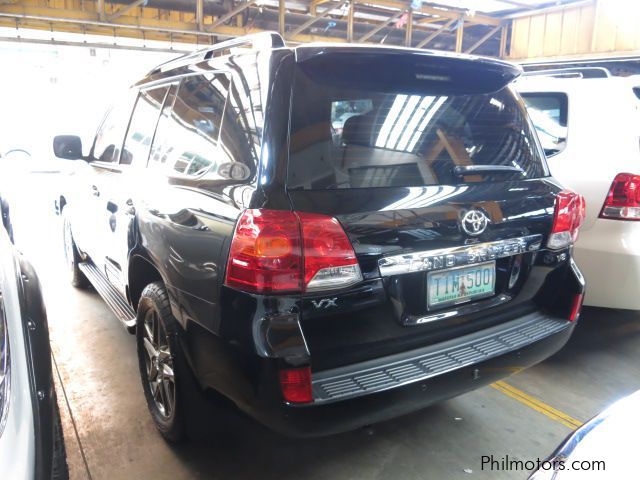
537	405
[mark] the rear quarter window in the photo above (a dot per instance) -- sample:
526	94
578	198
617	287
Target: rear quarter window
208	130
350	136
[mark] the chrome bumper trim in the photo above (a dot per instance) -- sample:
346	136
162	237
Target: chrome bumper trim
440	259
398	370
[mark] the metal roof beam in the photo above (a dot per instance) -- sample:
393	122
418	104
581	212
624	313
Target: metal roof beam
372	32
486	37
528	6
125	9
313	20
199	14
427	10
240	8
552	9
314	5
442	29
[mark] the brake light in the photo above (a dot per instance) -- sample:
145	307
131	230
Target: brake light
282	251
623	199
295	384
569	215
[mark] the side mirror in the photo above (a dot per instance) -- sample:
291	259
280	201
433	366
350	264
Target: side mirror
234	171
68	147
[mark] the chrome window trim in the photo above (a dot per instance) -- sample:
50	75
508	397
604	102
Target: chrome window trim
444	258
5	368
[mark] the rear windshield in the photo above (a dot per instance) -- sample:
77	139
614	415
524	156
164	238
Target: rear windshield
363	136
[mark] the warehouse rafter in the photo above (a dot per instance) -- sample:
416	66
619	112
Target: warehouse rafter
394	22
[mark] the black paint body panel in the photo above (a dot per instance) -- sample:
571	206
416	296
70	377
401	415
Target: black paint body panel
180	232
38	353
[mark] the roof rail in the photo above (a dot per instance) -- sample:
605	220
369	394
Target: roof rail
257	41
572	72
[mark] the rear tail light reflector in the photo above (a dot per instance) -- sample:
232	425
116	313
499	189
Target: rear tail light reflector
295	384
576	307
568	217
623	199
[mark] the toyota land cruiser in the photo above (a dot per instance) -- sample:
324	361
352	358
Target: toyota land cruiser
327	236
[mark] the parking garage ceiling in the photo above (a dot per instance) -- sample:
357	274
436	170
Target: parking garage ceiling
478	26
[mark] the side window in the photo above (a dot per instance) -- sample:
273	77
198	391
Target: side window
108	141
240	133
243	124
549	112
188	135
142	126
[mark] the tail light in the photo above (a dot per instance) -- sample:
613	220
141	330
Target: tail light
569	215
295	384
266	252
329	259
281	251
623	199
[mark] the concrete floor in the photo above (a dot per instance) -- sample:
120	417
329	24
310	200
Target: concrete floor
110	435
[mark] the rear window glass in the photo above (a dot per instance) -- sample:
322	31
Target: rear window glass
548	112
354	136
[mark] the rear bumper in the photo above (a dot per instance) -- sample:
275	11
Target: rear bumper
343	396
608	255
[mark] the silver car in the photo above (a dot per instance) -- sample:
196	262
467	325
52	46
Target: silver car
31	441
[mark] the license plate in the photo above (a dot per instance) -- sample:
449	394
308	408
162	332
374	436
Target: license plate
459	285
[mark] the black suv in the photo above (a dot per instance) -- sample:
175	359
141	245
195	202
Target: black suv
327	236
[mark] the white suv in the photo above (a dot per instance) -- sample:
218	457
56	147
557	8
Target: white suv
589	125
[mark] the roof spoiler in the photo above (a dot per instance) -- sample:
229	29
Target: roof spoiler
415	70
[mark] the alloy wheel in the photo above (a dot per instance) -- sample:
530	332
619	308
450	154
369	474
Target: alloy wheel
159	364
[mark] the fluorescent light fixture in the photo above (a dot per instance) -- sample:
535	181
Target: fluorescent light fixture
418	115
434	108
401	124
394	111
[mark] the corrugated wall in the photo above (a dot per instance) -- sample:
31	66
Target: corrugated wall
603	26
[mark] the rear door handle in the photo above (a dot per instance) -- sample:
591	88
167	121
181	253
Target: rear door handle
94	191
129	208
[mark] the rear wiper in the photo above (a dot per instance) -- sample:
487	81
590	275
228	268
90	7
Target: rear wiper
463	170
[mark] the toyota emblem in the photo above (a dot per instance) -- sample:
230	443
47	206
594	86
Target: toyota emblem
474	222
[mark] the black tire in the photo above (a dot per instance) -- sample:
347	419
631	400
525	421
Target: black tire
190	412
60	469
71	254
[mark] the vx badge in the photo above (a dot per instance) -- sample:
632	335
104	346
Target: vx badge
324	303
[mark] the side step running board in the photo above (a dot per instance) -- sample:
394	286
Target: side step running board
114	299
